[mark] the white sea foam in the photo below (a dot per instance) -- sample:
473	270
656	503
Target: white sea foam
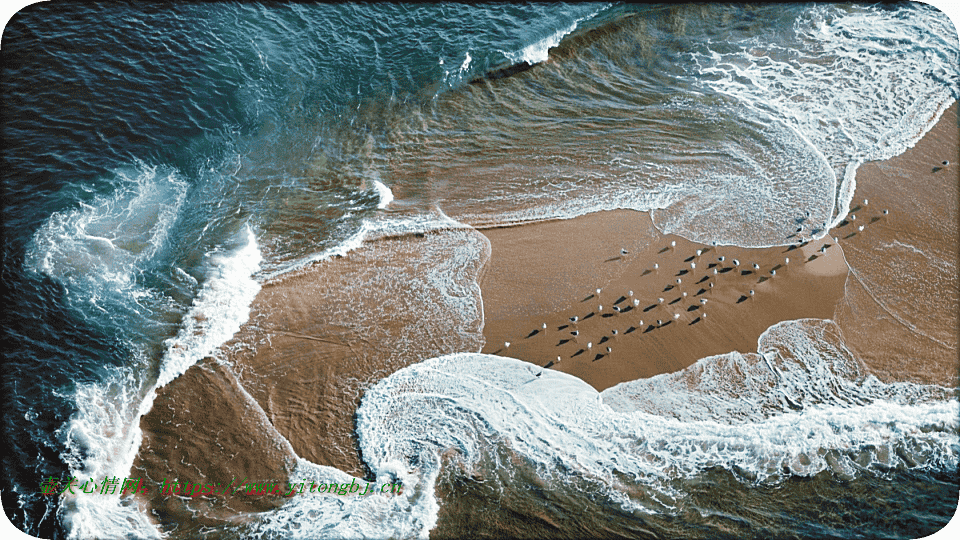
804	425
222	306
801	363
101	440
386	196
105	431
451	77
752	198
410	514
101	246
866	84
539	51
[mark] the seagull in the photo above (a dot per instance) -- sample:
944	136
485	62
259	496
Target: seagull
853	217
773	272
699	252
721	258
506	344
598	292
703	315
609	350
684	295
574	319
736	262
751	292
676	316
678	281
885	212
659	300
631	294
786	261
756	266
590	345
865	202
693	265
636	301
860	228
544	326
703	300
623	251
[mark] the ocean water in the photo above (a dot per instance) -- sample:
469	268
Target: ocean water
162	163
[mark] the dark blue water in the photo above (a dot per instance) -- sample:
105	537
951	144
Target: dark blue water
141	143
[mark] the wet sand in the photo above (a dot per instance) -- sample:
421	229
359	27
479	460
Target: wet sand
204	428
290	381
329	332
900	312
315	341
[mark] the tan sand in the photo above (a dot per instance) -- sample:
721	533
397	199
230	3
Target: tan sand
547	273
900	312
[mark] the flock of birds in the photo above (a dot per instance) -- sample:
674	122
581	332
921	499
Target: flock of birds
690	285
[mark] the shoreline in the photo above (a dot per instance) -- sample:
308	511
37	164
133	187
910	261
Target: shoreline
292	378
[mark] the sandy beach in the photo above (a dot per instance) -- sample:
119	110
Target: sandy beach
688	308
303	360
